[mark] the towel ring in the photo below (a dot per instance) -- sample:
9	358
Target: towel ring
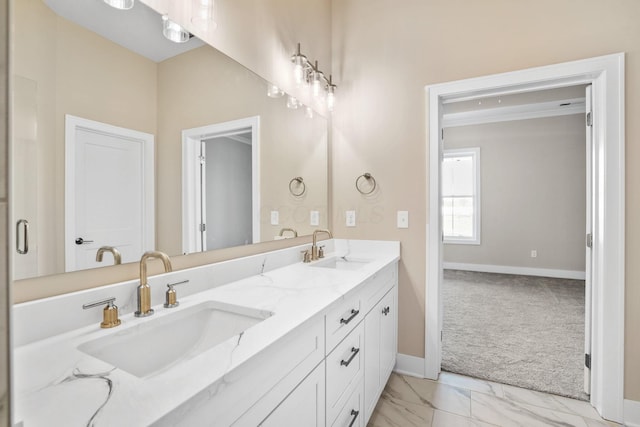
368	177
301	183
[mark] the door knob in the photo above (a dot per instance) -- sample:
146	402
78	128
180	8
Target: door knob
81	241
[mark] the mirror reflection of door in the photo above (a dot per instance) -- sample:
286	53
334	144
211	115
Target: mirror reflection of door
221	185
109	196
226	191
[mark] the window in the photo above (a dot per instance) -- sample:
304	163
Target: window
461	196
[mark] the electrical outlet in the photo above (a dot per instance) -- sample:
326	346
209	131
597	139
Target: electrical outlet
534	253
314	218
275	217
351	218
403	219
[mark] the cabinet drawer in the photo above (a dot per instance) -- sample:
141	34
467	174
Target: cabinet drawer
351	414
344	370
378	285
341	319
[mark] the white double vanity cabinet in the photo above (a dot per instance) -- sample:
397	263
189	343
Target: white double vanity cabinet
263	340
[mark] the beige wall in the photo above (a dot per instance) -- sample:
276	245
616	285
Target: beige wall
385	52
532	193
80	73
215	89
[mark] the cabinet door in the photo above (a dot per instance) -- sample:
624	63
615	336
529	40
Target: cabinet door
304	406
372	358
388	334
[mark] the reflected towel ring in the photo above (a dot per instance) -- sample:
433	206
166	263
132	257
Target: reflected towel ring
301	183
368	177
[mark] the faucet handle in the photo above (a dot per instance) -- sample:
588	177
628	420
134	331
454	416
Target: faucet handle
109	313
171	299
306	256
321	251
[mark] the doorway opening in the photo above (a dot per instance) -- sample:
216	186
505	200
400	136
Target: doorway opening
514	212
221	194
606	76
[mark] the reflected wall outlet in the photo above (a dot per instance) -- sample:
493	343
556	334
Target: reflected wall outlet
534	253
314	218
275	217
351	218
403	219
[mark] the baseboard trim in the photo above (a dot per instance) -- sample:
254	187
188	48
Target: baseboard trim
522	271
631	413
409	365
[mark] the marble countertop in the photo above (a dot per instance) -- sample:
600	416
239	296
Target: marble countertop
54	380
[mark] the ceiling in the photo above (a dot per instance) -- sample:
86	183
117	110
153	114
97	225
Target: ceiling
138	29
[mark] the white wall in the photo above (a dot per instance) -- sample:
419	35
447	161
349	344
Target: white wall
532	193
228	193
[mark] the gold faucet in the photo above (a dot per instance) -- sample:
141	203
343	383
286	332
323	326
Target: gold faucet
144	291
314	247
117	258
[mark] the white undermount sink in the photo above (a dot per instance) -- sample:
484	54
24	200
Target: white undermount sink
155	345
342	263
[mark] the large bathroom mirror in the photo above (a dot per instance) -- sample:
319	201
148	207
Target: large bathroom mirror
226	164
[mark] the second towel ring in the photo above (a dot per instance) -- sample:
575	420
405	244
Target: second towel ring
301	183
368	177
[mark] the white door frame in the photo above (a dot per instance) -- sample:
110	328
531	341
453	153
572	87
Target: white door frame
606	75
72	125
191	202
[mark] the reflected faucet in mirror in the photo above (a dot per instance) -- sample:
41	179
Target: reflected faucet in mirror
291	230
314	247
117	258
144	291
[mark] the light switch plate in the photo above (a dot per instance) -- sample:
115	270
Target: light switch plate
351	218
314	218
403	219
275	217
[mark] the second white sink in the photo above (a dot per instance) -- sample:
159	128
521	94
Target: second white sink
342	263
159	343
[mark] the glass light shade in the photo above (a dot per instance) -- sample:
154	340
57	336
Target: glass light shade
292	103
274	91
120	4
203	14
298	74
308	112
317	83
173	31
331	99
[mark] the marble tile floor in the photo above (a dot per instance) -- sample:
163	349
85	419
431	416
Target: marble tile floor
459	401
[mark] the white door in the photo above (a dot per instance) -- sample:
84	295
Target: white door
109	199
589	252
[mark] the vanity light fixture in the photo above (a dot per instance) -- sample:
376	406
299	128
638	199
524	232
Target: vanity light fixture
292	102
308	112
274	91
120	4
203	14
305	72
173	31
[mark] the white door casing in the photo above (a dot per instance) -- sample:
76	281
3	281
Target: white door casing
606	75
109	192
589	235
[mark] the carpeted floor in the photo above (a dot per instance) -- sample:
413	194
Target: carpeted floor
519	330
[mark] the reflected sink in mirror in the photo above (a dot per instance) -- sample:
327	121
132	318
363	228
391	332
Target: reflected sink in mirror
157	344
342	263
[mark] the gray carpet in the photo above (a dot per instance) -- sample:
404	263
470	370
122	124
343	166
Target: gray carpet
519	330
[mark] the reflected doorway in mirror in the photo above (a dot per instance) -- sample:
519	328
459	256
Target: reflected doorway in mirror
221	185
